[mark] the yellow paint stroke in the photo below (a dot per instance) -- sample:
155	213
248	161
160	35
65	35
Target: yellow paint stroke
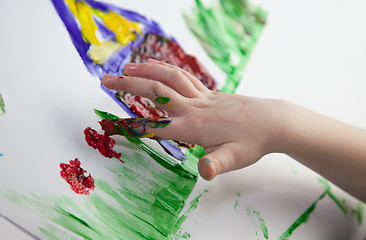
124	29
148	135
101	53
84	14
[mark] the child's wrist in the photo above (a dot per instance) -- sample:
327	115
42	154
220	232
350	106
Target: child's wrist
282	127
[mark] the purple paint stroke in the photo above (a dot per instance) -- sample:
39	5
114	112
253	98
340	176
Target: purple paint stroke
104	31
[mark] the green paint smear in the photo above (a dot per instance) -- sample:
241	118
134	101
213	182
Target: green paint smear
236	204
143	200
261	221
228	32
238	194
341	204
2	106
262	224
303	218
359	212
145	203
162	100
192	206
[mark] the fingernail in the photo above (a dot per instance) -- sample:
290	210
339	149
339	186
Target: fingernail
109	78
131	66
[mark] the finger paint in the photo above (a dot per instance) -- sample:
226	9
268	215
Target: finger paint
259	221
341	205
302	219
160	48
74	175
238	194
139	199
102	142
162	100
133	127
2	105
228	32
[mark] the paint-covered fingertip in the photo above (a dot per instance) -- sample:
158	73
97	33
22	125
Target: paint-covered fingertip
206	169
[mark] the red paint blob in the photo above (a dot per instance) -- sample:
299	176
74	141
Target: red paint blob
104	143
74	175
163	49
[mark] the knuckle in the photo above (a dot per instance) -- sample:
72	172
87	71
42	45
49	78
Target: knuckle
158	86
177	75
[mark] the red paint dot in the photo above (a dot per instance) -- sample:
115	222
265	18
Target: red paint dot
103	142
74	175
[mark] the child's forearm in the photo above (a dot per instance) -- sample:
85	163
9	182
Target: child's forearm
332	148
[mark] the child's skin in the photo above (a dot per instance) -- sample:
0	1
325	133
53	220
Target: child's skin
236	131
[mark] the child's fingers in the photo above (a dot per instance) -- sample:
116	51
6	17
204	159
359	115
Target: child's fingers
196	83
172	78
161	95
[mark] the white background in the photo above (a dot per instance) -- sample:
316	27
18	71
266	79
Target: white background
311	52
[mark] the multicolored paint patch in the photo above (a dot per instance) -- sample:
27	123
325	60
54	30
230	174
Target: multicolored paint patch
228	31
133	127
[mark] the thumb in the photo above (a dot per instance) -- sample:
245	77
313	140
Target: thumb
221	160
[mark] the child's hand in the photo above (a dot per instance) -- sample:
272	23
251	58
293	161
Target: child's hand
235	131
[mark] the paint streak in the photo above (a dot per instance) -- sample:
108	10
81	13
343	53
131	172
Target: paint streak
162	100
237	200
104	143
140	200
75	176
341	204
133	127
259	221
359	212
2	106
303	218
262	224
192	206
228	32
1	155
336	200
